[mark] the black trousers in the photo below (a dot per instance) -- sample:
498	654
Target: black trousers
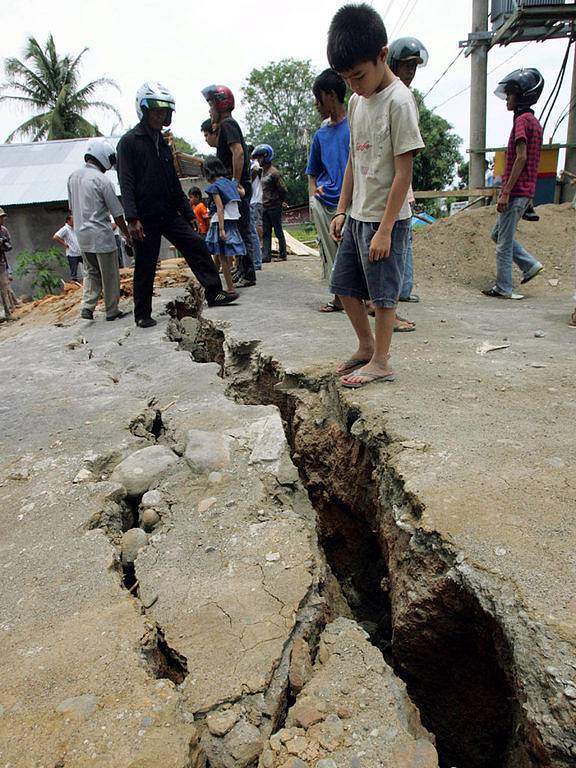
178	232
247	261
272	220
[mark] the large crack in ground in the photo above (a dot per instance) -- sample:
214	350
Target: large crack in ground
401	584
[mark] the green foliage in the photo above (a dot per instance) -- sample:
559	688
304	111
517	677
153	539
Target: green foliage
280	111
182	145
42	265
463	174
435	167
48	84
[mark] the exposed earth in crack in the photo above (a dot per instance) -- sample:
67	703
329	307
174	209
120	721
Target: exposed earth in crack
214	557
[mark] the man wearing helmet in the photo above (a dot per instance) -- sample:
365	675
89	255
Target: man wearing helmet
274	193
92	199
231	151
156	204
521	89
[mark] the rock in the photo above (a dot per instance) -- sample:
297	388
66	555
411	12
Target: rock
206	451
215	478
205	504
81	707
326	763
132	542
287	474
266	759
300	665
151	499
273	557
220	723
83	476
298	746
570	692
143	468
190	326
305	713
244	743
539	335
270	441
149	518
294	762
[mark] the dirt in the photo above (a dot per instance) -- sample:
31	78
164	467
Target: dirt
459	249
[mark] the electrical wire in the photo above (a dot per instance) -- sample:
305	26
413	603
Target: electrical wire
401	15
563	116
454	60
557	87
387	11
401	23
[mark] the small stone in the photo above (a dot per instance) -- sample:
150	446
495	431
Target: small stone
326	763
298	745
143	468
151	499
220	723
267	759
344	712
149	518
206	504
272	557
81	707
570	692
244	742
276	742
538	365
305	713
132	542
539	335
300	670
83	476
206	451
215	478
294	762
500	551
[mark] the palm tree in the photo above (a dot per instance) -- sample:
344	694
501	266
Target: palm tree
49	84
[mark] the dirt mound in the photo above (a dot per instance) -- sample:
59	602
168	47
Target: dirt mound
459	249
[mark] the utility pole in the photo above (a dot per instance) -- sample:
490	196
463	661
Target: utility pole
478	86
570	164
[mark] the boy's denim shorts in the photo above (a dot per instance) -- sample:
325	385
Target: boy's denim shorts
354	275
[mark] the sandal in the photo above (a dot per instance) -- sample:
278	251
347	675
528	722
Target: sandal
331	307
350	365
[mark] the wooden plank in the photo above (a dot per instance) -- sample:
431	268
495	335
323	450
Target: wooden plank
297	248
481	192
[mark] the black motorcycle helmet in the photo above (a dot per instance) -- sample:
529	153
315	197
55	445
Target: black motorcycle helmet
404	49
527	84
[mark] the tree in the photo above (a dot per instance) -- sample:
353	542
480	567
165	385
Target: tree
435	167
182	145
49	84
280	112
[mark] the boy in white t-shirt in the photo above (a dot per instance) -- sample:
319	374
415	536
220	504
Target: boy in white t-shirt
66	237
384	137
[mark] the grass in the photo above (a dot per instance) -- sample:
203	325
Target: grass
306	233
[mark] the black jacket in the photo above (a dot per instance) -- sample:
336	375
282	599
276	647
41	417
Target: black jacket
148	182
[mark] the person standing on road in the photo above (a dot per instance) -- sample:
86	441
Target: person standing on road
274	193
157	206
232	153
326	165
92	199
66	237
5	247
521	89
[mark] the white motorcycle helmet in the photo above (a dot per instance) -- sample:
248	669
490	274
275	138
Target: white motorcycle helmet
153	95
103	151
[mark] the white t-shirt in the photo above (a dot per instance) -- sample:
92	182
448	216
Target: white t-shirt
67	234
256	184
92	199
381	128
231	212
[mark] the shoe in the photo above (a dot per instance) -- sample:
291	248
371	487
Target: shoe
146	322
86	314
245	283
536	269
494	293
222	298
266	261
413	298
118	315
531	216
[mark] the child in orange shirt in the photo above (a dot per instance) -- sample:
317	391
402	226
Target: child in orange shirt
200	210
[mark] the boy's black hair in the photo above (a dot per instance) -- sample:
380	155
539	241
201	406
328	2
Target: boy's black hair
195	192
207	126
327	81
356	34
68	215
213	168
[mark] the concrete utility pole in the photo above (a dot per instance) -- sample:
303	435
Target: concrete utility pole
478	78
570	164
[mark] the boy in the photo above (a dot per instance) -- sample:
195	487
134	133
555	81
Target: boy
521	89
92	200
200	210
326	166
384	137
66	237
274	193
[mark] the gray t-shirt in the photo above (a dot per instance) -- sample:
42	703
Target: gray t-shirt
381	128
92	199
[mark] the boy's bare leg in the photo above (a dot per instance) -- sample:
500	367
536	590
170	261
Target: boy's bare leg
379	361
227	274
358	316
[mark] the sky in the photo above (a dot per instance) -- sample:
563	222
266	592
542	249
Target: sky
189	45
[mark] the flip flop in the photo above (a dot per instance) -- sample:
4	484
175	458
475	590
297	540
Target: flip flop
406	329
350	365
331	307
372	377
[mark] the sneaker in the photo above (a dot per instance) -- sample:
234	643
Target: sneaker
494	293
146	322
86	314
536	269
222	298
413	298
245	283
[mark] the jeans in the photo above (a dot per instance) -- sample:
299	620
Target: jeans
256	250
509	250
272	219
74	262
408	282
192	247
246	262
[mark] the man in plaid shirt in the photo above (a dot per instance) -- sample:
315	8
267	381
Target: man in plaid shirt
521	89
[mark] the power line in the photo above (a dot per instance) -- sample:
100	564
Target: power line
404	16
410	12
448	68
400	15
387	11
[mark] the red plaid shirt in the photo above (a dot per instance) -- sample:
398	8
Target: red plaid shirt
526	128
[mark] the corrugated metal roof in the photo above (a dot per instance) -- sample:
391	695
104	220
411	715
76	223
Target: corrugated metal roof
38	172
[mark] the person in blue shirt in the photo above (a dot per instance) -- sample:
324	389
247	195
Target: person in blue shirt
326	166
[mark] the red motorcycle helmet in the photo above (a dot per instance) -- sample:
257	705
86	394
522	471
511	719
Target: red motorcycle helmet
221	95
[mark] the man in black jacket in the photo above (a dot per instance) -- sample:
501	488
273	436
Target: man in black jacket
155	204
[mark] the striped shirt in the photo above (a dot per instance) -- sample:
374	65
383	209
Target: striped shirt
526	128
